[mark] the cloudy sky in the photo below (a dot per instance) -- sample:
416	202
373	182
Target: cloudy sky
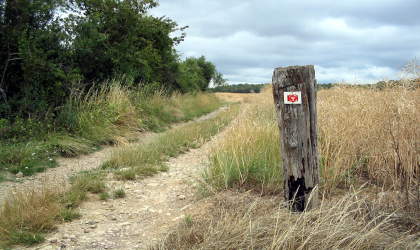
347	40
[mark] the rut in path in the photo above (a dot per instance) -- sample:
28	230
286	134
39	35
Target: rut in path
150	208
67	167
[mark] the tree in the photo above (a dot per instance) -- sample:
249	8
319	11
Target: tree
31	51
219	80
196	74
45	56
119	38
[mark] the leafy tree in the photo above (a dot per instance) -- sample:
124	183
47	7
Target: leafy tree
115	38
197	73
239	88
45	55
32	70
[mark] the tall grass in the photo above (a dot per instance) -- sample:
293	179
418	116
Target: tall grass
247	157
26	215
105	115
101	115
370	134
156	110
364	133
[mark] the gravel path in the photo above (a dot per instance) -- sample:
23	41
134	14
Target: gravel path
70	166
151	207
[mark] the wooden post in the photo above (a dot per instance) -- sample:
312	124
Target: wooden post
296	113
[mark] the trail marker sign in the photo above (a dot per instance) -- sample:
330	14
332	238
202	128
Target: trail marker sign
293	97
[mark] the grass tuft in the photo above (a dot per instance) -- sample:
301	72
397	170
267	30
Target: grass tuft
69	214
90	181
104	196
26	215
119	193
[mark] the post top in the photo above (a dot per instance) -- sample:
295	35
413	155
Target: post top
295	67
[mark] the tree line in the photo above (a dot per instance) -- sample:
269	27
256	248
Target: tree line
239	88
51	48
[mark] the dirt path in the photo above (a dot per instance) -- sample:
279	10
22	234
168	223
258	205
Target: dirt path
150	208
70	166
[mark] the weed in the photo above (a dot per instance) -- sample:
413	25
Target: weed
188	220
125	174
69	214
247	157
26	238
119	193
104	196
90	181
73	197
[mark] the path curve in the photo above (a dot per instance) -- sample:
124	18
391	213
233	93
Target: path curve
151	207
67	167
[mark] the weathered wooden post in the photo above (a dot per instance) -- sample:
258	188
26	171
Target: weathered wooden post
294	91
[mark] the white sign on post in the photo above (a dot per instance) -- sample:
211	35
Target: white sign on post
293	97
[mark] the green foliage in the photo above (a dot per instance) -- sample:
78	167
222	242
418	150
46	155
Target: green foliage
49	57
88	120
196	73
239	88
28	158
33	70
219	80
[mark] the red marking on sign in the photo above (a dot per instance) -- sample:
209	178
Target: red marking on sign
293	98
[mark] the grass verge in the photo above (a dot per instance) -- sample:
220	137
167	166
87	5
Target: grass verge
29	214
131	162
247	157
104	116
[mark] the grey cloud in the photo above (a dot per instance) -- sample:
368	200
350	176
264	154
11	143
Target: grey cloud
345	39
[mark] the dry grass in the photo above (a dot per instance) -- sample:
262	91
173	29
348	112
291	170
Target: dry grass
247	157
364	135
236	97
371	134
244	221
26	215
